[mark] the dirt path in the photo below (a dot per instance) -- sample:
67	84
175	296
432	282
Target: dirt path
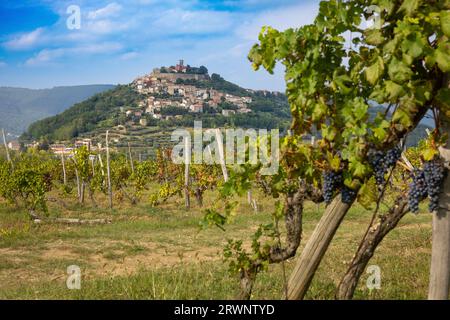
106	259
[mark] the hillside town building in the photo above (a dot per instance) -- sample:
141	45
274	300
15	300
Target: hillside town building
171	87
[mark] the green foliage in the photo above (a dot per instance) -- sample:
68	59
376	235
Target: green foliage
28	181
332	89
173	111
102	110
216	82
402	63
143	172
82	164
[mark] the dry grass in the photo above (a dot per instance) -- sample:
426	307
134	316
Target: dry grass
161	253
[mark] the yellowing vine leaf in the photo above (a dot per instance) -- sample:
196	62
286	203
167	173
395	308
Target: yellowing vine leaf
374	72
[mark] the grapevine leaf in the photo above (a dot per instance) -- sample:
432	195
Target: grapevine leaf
443	98
368	194
328	133
319	111
442	57
374	37
344	83
394	90
374	72
334	161
399	71
380	131
445	22
403	117
360	110
358	169
413	45
409	6
429	153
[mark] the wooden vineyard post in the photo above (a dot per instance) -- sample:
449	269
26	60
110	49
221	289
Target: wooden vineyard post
252	202
64	168
8	157
80	183
440	261
440	250
108	170
92	164
219	141
209	152
83	188
131	158
78	180
187	160
315	249
101	164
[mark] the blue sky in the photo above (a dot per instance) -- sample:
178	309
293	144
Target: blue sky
122	39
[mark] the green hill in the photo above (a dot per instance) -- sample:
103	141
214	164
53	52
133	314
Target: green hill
106	110
20	107
101	110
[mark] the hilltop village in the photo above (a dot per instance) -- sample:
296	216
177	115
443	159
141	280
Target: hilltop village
175	87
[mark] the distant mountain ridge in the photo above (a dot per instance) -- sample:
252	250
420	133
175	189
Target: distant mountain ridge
19	107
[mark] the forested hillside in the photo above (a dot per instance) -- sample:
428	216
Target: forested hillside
100	110
20	107
106	110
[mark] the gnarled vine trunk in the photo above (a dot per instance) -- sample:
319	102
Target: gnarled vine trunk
368	246
293	222
199	196
293	211
91	195
247	280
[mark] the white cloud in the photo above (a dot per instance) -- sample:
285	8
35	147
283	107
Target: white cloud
107	47
177	21
162	32
47	56
129	55
246	34
281	19
110	10
25	41
105	27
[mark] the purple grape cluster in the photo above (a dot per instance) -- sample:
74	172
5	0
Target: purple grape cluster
434	173
332	181
417	190
382	161
348	195
426	182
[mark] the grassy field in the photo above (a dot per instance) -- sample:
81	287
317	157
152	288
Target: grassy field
161	253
